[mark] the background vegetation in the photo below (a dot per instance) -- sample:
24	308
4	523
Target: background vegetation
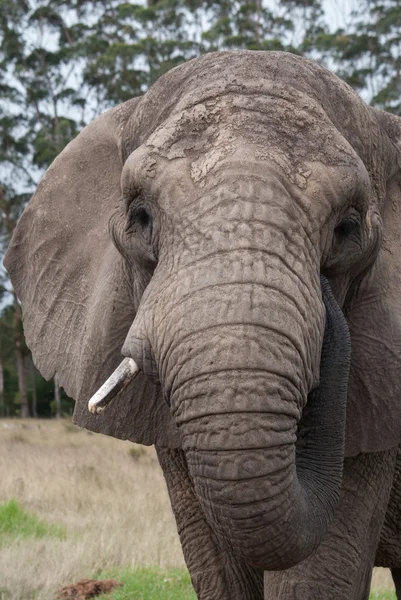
62	519
62	62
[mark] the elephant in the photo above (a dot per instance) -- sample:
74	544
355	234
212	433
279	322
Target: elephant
234	236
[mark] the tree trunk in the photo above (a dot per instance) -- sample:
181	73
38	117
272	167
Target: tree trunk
22	381
34	396
2	407
57	398
19	340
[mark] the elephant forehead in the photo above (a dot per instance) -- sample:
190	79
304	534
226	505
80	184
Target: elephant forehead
193	89
262	182
290	122
293	136
289	111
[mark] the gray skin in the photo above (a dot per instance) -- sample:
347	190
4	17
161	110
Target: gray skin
188	229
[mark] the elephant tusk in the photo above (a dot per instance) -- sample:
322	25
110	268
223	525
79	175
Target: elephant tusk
122	376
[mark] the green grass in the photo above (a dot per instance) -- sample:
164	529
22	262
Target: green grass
152	583
15	523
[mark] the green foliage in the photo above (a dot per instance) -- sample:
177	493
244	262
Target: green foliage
367	54
382	596
152	583
16	524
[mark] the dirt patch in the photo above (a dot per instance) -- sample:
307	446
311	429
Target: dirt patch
87	588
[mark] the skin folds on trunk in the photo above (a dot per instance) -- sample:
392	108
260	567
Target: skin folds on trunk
267	481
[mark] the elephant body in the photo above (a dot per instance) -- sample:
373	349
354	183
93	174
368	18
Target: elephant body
236	233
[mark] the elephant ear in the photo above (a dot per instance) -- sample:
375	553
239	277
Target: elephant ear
76	292
374	317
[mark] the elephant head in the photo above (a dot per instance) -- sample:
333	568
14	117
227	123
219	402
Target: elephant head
188	229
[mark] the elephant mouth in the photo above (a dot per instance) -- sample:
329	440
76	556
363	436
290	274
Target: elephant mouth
113	386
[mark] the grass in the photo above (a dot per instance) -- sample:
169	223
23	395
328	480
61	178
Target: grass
15	523
114	510
75	505
152	583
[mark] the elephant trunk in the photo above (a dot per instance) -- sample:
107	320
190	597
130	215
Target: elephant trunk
237	349
268	480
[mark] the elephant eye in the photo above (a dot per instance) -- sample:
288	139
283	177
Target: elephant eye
141	217
347	227
346	245
141	220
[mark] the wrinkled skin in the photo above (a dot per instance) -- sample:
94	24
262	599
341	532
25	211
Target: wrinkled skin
188	229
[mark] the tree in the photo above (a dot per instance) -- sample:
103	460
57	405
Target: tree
10	209
32	377
8	405
242	25
57	397
367	54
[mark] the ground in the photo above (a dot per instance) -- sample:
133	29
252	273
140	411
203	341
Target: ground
97	505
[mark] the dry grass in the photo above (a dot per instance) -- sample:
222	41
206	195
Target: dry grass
382	581
111	501
108	495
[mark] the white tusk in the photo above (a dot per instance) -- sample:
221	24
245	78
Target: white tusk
122	376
